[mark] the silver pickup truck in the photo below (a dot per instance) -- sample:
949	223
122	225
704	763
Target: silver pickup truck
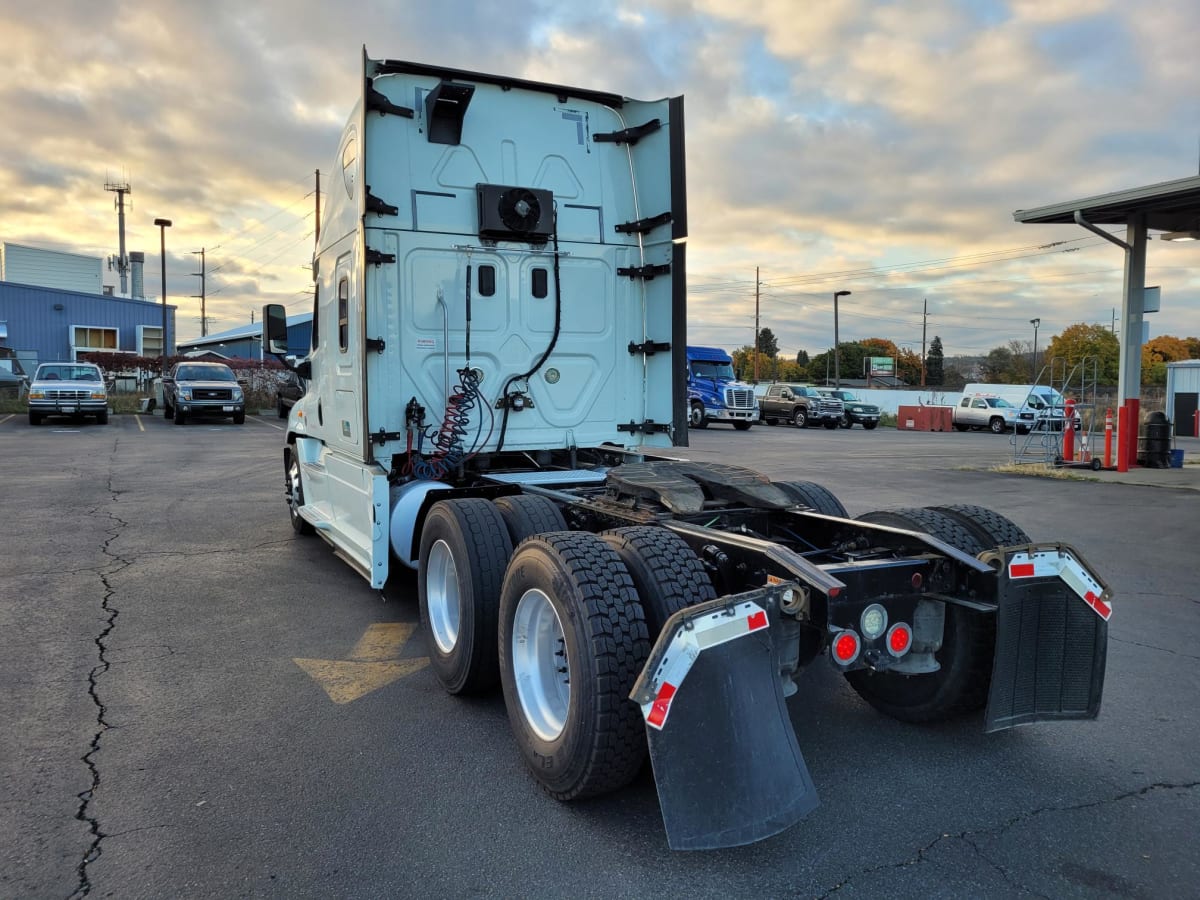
997	415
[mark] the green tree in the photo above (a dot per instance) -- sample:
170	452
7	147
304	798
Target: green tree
1002	366
768	344
802	358
935	363
1157	352
1082	340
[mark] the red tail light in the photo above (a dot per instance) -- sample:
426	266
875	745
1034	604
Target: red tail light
899	639
846	647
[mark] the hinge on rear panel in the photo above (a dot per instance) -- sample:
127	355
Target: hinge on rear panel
377	102
376	344
647	427
649	348
382	437
375	205
642	226
647	272
630	135
375	258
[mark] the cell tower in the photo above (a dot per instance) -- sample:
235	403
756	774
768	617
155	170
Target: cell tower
121	261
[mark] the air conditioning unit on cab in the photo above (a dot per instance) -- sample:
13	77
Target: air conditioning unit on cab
508	213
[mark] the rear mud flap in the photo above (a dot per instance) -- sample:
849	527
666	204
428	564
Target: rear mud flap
726	762
1051	638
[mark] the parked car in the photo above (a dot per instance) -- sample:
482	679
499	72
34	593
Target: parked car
865	414
996	414
203	389
291	387
801	405
73	389
13	379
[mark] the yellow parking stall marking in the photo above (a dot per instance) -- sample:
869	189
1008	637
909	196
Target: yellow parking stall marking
6	418
374	663
138	419
264	422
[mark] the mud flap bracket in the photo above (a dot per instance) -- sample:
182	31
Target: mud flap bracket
1051	637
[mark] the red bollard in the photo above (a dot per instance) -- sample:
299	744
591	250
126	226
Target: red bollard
1108	434
1069	432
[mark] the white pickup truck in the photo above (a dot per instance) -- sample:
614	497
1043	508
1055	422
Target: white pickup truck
977	411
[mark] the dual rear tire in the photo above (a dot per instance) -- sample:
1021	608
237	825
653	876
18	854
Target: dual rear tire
565	624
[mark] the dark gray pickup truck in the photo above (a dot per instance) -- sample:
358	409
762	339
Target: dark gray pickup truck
801	405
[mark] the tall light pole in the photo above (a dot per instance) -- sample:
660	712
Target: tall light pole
1033	373
163	225
837	357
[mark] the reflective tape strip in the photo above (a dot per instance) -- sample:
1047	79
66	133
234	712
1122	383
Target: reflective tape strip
688	642
1061	564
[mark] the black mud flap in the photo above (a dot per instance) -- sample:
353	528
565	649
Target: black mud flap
1051	637
726	762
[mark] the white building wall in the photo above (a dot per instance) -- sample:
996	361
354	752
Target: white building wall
50	268
1182	378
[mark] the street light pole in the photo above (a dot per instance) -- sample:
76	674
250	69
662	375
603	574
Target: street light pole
163	225
837	357
1033	373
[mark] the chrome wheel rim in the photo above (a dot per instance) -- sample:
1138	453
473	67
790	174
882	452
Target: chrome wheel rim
540	666
442	596
295	490
697	415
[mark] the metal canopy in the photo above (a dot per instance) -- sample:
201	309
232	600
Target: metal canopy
1169	206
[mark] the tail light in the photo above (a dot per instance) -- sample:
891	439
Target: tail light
846	647
899	639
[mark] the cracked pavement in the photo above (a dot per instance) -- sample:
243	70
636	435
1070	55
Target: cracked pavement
160	741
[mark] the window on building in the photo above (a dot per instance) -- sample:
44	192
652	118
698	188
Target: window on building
149	340
93	339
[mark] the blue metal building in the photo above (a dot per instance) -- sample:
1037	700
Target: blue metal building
46	324
245	342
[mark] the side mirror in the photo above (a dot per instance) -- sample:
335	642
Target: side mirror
275	328
304	369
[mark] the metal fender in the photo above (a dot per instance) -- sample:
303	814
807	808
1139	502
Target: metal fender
726	762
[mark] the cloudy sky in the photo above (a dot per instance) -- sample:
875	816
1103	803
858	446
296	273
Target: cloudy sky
854	145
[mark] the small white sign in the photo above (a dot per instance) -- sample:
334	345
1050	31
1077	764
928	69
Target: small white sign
426	343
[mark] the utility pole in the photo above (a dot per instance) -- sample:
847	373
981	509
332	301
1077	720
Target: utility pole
203	315
924	326
756	324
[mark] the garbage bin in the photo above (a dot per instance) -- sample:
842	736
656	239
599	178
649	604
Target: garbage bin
1154	443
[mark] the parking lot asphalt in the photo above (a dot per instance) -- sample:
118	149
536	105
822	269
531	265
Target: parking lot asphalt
200	703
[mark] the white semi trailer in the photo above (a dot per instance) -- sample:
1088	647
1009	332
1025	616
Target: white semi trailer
497	376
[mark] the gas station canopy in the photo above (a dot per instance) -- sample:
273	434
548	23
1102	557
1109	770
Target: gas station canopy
1172	207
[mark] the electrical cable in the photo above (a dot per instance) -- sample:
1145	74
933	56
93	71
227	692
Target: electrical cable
504	395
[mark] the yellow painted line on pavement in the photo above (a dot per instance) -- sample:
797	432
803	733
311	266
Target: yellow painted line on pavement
374	663
138	419
6	418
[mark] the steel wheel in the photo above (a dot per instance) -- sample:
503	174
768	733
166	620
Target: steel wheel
799	418
295	497
540	667
696	416
443	596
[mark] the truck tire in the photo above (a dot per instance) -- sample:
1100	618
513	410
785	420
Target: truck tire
168	409
572	643
819	499
846	421
239	418
958	427
989	527
799	417
831	424
696	416
280	409
742	426
996	425
529	514
667	575
769	421
870	426
35	418
294	492
968	643
180	417
102	418
464	549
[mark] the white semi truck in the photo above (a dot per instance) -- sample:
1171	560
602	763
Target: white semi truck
496	388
